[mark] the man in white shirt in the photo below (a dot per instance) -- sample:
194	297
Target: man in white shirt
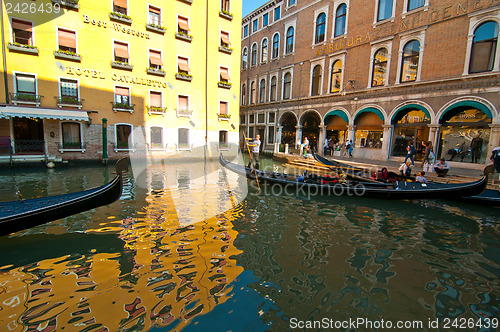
442	167
255	150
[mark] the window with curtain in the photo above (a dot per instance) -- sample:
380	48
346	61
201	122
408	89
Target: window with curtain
274	88
183	65
122	134
287	85
379	67
155	59
414	4
336	77
122	96
384	10
253	56
252	93
223	108
224	74
120	6
22	32
66	40
182	25
121	52
224	39
182	103
243	94
262	91
484	47
71	137
320	28
263	52
316	80
69	91
183	137
244	58
409	63
25	84
154	16
340	20
155	100
276	45
156	137
289	40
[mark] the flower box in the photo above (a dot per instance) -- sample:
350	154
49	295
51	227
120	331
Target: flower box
184	36
119	17
156	110
120	107
154	71
223	117
225	85
121	65
225	49
67	56
16	47
184	112
73	4
156	28
226	15
184	77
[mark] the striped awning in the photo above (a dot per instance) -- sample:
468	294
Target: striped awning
43	113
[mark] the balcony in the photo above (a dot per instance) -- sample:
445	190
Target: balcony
22	48
67	101
182	35
156	110
156	28
119	17
224	84
121	65
122	107
72	147
184	112
25	98
225	49
223	117
155	71
184	76
71	56
71	4
225	14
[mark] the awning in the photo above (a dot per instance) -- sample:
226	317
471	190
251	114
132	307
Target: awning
43	113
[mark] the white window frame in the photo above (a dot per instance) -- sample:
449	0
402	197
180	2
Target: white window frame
288	6
425	7
112	4
268	20
219	143
148	136
315	17
256	55
156	50
188	105
227	103
404	39
285	71
288	25
76	37
62	149
14	84
243	88
116	149
265	92
391	19
26	20
268	53
333	59
320	62
253	24
154	6
78	88
189	145
242	52
267	119
243	31
275	74
250	92
334	19
161	100
475	20
272	46
274	13
274	132
385	43
113	50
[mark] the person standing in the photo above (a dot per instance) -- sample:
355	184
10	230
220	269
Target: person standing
476	145
347	147
411	152
255	150
351	147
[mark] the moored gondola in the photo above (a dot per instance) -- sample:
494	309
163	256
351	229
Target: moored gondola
23	214
397	190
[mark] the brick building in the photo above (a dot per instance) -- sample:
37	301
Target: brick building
381	72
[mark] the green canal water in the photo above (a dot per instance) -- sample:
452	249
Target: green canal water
270	262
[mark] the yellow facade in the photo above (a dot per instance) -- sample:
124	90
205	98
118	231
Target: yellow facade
97	33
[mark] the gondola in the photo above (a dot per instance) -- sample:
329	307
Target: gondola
396	190
489	197
23	214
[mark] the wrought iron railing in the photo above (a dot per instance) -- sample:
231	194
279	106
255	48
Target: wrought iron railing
67	100
29	146
25	97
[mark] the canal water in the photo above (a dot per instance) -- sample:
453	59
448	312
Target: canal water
167	256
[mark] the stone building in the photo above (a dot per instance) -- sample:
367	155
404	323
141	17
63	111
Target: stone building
382	73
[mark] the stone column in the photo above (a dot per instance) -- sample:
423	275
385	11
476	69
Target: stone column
298	134
386	144
434	135
350	132
322	136
494	140
278	135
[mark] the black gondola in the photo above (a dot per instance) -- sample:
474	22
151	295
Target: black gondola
23	214
397	190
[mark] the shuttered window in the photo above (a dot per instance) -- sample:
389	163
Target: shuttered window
155	99
224	74
121	52
155	59
66	40
183	65
223	108
22	32
25	83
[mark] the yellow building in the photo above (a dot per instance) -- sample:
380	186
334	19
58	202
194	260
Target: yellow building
163	66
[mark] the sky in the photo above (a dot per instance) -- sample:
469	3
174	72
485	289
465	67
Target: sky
251	5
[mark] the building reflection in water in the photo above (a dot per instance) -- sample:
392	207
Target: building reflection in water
167	272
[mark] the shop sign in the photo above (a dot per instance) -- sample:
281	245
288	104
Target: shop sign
117	27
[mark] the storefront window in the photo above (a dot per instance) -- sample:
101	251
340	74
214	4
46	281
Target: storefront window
410	126
369	131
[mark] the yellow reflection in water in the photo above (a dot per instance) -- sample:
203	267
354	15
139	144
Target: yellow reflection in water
166	274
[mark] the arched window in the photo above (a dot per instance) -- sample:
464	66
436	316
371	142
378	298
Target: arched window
320	28
274	87
484	46
409	63
340	20
244	58
336	76
263	51
252	93
262	91
243	94
253	56
379	67
276	45
316	81
289	40
287	85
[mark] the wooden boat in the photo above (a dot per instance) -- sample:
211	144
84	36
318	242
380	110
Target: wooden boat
396	190
23	214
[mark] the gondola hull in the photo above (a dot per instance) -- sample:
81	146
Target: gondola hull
20	215
398	190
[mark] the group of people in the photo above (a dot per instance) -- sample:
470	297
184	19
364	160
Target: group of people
428	163
330	145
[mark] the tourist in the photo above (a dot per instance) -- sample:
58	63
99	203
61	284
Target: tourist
421	178
326	146
405	168
350	148
346	148
442	167
428	156
254	157
411	152
476	145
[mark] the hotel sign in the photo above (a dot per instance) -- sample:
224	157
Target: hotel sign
408	22
116	27
115	77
